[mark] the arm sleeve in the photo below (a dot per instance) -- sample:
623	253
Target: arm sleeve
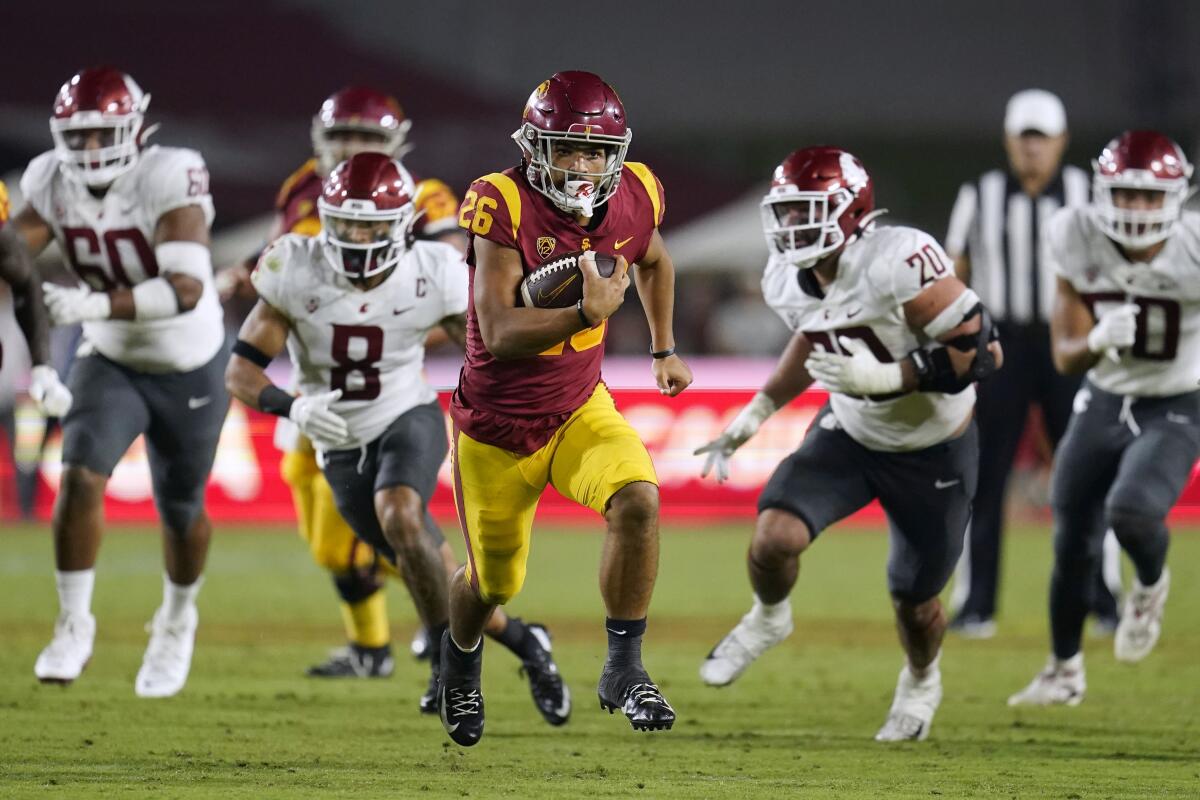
179	178
962	220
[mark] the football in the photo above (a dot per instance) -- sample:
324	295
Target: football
559	283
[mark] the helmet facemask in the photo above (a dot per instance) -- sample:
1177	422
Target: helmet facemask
580	192
1139	228
366	242
803	227
121	139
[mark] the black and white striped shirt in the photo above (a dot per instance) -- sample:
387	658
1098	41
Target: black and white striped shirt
999	227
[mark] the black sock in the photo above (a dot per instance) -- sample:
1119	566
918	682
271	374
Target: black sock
625	641
515	637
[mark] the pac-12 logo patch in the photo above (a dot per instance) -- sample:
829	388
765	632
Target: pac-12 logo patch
312	304
546	245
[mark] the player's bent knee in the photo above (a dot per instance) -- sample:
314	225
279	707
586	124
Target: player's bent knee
178	513
401	518
1131	525
634	506
80	484
779	535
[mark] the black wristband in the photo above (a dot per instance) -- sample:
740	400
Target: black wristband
273	400
251	353
670	351
582	316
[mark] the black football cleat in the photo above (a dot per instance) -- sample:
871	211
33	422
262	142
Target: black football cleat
355	661
429	701
460	698
551	696
631	691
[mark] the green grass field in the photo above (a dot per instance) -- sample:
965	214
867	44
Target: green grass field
798	724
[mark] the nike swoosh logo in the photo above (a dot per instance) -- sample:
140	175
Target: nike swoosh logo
198	402
853	314
565	708
618	633
398	311
940	484
445	720
622	243
546	298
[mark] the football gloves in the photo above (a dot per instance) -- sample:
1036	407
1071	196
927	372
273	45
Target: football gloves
71	304
859	373
52	397
1116	328
740	429
326	429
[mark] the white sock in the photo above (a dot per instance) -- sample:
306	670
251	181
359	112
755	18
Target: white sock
75	590
178	599
931	669
774	613
1072	664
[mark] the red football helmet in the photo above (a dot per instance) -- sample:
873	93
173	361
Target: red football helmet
361	109
820	198
1140	160
109	102
581	108
366	210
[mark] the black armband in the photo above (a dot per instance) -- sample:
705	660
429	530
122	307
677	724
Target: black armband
587	323
935	373
670	351
251	353
273	400
984	363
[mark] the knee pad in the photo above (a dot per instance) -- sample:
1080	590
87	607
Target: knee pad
179	512
355	586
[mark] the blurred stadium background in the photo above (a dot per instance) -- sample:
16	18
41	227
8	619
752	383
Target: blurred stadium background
717	94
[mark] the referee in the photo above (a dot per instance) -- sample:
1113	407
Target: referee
995	240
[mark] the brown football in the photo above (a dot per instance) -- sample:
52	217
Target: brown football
559	283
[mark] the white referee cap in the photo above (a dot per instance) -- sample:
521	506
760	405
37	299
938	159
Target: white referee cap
1035	110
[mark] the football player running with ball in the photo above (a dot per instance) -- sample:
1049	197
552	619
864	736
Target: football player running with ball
1126	312
881	321
353	305
132	222
530	408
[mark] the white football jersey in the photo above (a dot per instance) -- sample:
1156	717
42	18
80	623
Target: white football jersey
370	344
109	243
877	274
1165	357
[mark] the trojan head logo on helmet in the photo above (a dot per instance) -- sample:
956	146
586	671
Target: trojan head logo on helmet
1156	171
581	109
820	198
97	124
366	210
358	119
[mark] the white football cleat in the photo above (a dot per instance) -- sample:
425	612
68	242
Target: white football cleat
913	707
1060	683
1141	619
69	651
168	656
748	640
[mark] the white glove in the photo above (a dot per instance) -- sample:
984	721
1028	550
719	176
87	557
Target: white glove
70	304
1116	328
741	428
312	416
858	373
52	397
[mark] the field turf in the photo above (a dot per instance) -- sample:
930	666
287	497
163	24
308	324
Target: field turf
798	724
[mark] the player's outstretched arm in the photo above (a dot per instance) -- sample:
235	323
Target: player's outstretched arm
510	331
262	337
655	279
789	379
